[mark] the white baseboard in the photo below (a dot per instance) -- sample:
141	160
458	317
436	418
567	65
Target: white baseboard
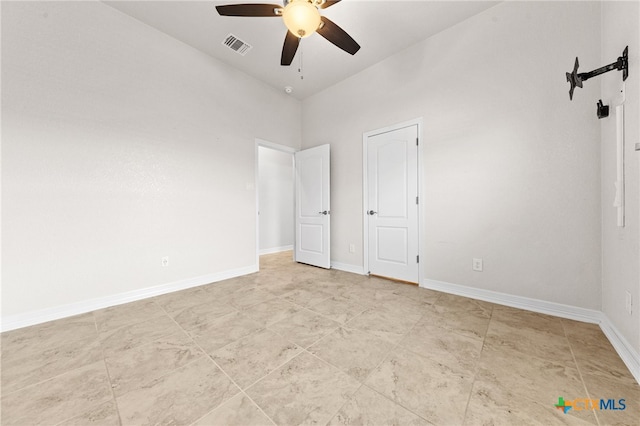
627	353
13	322
275	250
354	269
629	356
535	305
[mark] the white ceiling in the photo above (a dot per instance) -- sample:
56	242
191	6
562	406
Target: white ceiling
381	27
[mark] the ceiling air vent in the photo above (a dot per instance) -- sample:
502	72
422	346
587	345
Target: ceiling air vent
237	45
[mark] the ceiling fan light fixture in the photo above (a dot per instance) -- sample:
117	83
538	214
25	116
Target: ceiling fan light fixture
301	18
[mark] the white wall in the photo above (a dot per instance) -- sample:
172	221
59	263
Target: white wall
120	146
511	166
620	251
276	199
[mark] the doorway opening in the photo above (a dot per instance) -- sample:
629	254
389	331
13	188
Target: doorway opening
293	202
275	179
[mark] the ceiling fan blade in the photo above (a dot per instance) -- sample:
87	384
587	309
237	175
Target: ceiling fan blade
328	3
249	9
289	49
337	36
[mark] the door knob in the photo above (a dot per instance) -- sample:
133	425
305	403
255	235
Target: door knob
324	212
371	212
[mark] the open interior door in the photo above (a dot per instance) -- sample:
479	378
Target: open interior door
313	212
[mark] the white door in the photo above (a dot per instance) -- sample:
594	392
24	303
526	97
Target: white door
312	207
392	186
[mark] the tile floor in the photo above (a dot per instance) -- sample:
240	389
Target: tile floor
294	344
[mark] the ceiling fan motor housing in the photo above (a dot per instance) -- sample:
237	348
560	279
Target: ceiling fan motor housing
301	17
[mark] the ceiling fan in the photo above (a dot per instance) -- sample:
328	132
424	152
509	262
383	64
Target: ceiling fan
302	18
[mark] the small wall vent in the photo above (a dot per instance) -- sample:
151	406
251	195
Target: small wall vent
237	45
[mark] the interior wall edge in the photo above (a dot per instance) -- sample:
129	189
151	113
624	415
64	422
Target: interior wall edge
625	350
521	302
13	322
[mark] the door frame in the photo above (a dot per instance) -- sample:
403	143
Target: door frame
282	148
365	193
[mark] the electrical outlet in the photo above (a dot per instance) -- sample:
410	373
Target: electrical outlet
165	261
352	248
477	264
628	303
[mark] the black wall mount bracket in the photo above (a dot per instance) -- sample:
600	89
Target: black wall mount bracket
602	110
575	79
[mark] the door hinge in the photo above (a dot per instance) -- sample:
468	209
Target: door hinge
417	141
417	200
418	259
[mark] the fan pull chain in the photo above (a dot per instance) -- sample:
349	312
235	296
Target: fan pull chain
300	71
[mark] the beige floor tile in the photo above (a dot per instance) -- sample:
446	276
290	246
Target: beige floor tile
380	283
238	411
180	397
483	409
601	359
333	283
304	328
355	352
230	286
247	297
223	330
307	296
38	338
451	302
280	287
338	308
304	273
530	340
602	387
196	315
399	303
135	335
267	278
134	368
271	311
129	313
180	300
458	352
58	399
518	319
388	324
39	365
583	333
254	356
433	391
415	292
368	295
516	374
369	408
304	391
473	323
280	259
346	279
102	415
